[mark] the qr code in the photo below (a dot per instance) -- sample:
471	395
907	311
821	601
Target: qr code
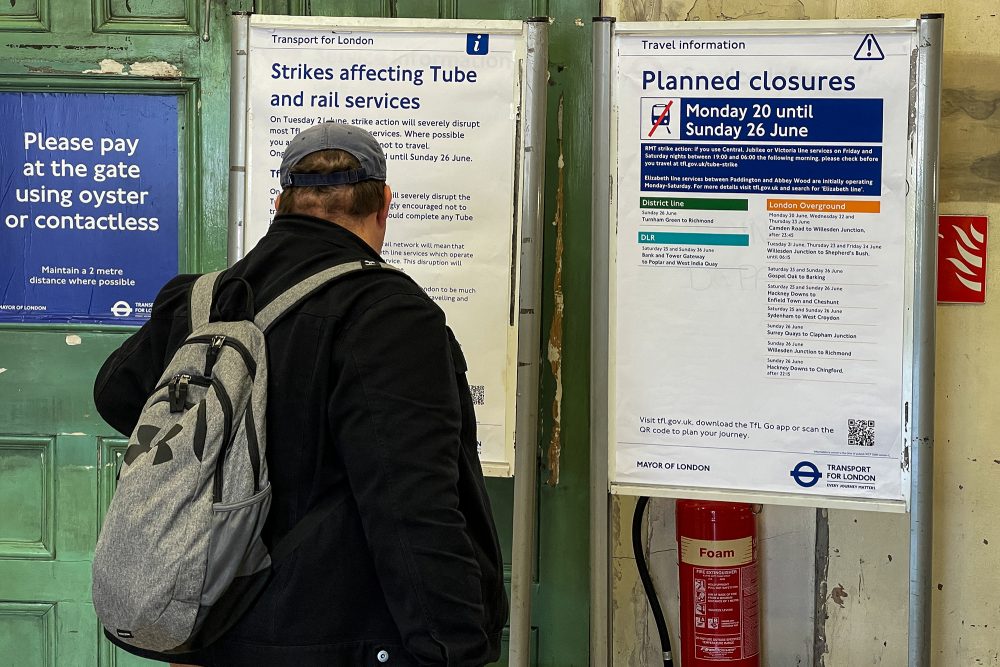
478	394
861	432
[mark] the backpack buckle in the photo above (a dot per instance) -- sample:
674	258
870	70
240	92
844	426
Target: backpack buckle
178	392
213	354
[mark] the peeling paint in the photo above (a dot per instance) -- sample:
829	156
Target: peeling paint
73	339
579	23
68	47
715	10
977	104
556	330
838	595
987	167
108	66
3	370
157	68
44	70
822	573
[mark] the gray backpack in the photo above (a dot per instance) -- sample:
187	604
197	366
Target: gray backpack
180	557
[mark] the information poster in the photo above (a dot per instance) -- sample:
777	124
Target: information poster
761	262
89	201
444	106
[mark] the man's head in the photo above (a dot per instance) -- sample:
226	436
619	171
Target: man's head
337	172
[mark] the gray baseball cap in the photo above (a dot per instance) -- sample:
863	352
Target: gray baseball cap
333	136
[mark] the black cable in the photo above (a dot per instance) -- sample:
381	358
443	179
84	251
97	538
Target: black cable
647	581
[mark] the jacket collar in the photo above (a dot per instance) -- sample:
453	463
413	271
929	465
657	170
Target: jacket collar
322	230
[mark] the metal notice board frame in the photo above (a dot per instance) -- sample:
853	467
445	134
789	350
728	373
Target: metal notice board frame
524	240
916	359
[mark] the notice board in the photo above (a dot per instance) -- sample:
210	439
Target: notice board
445	100
761	260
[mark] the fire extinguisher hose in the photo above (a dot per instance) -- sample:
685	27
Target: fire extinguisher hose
647	581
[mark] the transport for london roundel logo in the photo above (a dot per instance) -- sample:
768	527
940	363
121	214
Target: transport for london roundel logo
121	309
806	474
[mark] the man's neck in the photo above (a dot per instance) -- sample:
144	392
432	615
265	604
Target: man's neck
365	228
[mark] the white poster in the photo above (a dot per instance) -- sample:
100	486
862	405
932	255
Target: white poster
445	106
761	262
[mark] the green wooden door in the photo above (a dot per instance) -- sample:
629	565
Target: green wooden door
57	457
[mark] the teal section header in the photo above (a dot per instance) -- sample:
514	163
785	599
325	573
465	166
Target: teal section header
694	238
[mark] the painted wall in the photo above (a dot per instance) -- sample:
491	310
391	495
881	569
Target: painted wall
850	568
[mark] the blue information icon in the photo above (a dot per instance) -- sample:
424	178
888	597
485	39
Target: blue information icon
806	474
477	44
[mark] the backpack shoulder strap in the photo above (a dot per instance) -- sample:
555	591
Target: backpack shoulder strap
200	306
291	297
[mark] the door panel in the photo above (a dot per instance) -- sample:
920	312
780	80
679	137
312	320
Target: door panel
29	485
171	17
25	16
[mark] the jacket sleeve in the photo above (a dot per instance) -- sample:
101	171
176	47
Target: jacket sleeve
401	457
128	376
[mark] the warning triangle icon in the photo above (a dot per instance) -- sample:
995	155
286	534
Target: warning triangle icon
869	49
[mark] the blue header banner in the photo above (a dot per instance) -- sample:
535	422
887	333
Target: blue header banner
88	206
794	120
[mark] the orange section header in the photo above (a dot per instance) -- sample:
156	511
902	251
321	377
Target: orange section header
823	205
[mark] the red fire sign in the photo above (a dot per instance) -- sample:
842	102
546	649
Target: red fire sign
961	259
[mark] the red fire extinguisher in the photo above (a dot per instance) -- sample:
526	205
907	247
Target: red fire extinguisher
719	584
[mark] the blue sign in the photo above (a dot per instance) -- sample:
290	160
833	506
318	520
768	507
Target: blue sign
88	205
818	171
477	44
793	120
806	474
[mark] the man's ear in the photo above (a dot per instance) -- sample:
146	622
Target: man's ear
277	202
383	213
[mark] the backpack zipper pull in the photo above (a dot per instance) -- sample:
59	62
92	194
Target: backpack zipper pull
178	391
213	354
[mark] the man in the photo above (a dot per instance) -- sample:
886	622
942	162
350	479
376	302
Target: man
368	403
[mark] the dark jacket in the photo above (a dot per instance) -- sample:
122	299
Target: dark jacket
368	403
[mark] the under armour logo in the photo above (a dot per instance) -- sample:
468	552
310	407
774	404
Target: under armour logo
145	437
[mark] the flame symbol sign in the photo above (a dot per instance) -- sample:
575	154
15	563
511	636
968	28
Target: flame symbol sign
971	256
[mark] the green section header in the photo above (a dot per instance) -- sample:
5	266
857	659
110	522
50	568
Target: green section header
694	204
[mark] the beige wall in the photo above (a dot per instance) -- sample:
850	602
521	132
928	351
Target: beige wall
861	578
